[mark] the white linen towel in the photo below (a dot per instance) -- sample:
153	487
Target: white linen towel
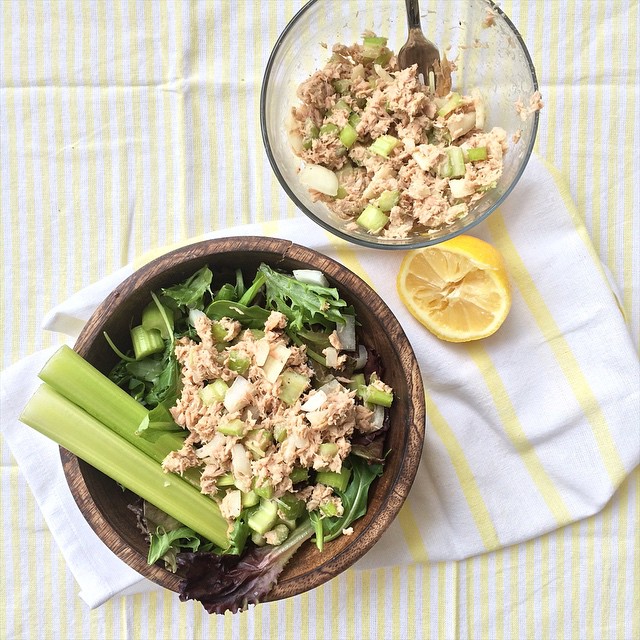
527	430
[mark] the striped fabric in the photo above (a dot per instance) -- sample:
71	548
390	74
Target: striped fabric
87	90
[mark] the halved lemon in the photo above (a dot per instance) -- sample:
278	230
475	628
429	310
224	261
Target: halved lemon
458	289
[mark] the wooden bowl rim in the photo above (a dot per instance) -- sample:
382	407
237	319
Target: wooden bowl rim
391	503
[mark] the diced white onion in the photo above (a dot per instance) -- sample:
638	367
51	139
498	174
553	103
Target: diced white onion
299	441
275	363
320	178
262	351
459	126
314	402
296	142
195	314
331	356
460	188
357	72
310	276
382	73
240	463
347	333
362	358
239	395
331	387
377	419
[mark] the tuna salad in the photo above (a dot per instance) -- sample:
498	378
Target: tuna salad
283	410
383	152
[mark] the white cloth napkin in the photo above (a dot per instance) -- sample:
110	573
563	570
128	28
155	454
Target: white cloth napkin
527	430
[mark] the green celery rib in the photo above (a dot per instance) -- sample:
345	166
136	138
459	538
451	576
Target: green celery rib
81	383
74	429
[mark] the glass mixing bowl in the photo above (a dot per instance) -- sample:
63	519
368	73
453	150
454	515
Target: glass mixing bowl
492	57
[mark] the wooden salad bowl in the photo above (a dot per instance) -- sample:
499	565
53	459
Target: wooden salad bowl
105	505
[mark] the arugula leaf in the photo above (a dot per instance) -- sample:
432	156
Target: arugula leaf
252	317
166	544
302	303
318	528
158	419
238	535
166	535
190	293
354	498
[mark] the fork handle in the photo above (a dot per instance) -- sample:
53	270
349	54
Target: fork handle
413	13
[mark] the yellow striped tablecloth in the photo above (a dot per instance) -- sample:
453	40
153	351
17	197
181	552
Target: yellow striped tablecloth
86	95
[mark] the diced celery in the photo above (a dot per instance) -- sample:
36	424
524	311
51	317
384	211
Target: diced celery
328	450
374	395
280	433
259	439
214	392
232	428
444	168
384	57
250	499
456	158
329	129
288	522
476	154
258	539
450	105
152	319
218	331
299	474
292	386
375	40
388	199
226	480
146	343
348	135
335	480
372	47
354	119
290	506
74	429
329	509
342	105
264	517
255	451
278	534
264	491
341	86
357	380
372	219
384	145
342	193
237	362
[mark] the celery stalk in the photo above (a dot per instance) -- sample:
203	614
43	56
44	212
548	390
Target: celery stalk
475	154
348	135
372	219
456	158
146	342
384	145
81	383
74	429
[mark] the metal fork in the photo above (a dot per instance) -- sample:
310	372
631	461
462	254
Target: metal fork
418	50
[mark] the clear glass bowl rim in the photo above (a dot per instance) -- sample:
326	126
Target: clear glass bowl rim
416	242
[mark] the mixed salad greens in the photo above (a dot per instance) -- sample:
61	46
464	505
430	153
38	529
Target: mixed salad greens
261	399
